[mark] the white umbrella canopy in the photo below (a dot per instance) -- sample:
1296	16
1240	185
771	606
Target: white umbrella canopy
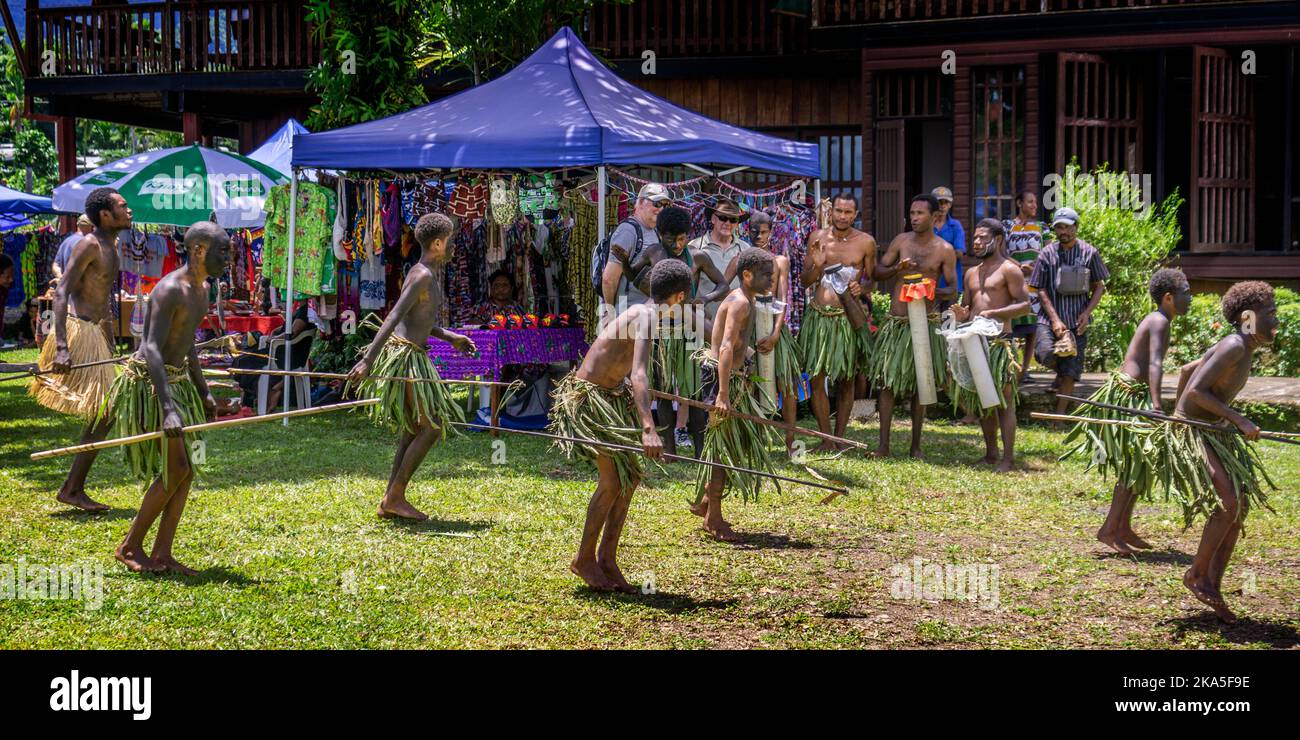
179	186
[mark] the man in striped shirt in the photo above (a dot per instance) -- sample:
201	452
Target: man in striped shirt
1070	279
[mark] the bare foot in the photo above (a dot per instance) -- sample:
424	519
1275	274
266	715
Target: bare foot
1114	542
880	452
591	573
827	446
1210	597
917	454
172	565
987	459
968	419
400	510
701	508
1005	466
80	500
615	576
1133	540
135	560
721	531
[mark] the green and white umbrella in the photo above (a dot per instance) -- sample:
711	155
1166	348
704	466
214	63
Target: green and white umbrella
180	186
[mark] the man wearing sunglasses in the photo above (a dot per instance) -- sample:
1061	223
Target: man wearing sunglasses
720	245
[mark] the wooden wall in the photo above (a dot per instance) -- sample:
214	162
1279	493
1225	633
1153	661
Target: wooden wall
779	102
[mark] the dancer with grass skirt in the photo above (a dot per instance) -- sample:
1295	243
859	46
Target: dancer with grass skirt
1118	448
163	386
728	383
995	288
420	410
595	403
83	334
893	366
1211	473
831	349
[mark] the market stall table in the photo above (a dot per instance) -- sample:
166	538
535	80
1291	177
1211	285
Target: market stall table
243	324
500	347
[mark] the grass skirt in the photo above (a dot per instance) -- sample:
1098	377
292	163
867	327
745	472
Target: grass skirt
404	403
674	370
1117	449
1005	371
134	408
786	361
828	344
737	441
586	410
892	366
79	392
1178	452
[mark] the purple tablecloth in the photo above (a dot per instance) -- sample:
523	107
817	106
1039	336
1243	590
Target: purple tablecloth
500	347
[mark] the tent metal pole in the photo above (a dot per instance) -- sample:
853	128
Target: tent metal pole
733	170
602	185
817	192
288	303
699	169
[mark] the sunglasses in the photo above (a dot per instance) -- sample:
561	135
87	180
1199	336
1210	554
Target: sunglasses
727	219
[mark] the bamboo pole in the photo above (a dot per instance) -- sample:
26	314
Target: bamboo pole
33	373
760	420
343	376
630	448
207	426
1086	420
1275	436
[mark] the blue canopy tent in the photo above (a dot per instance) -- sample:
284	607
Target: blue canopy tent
277	150
560	108
16	201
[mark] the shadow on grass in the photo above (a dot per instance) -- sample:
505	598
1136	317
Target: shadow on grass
1165	557
1246	631
214	574
662	600
769	541
75	514
445	527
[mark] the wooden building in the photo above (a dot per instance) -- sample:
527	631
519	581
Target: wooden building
988	96
231	68
984	96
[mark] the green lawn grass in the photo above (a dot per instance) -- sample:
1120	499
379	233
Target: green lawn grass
282	525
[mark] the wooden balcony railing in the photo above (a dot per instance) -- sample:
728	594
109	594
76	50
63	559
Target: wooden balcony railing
170	37
856	12
694	28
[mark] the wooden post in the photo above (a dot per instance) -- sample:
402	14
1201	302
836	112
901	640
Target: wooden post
192	127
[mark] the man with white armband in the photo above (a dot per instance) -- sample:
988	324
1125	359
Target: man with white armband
918	257
994	289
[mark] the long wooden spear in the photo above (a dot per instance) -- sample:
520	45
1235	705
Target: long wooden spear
34	371
1275	436
630	448
760	420
343	376
1087	420
207	426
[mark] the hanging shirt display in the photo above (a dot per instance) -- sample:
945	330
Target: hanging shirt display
314	224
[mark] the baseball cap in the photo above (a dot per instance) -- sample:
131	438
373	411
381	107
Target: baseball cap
1065	216
941	193
654	192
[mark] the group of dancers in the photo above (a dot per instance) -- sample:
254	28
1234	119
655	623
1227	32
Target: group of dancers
604	410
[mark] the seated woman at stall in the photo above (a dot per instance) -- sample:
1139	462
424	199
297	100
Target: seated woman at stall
501	299
304	319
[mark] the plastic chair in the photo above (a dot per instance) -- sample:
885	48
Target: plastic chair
302	385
